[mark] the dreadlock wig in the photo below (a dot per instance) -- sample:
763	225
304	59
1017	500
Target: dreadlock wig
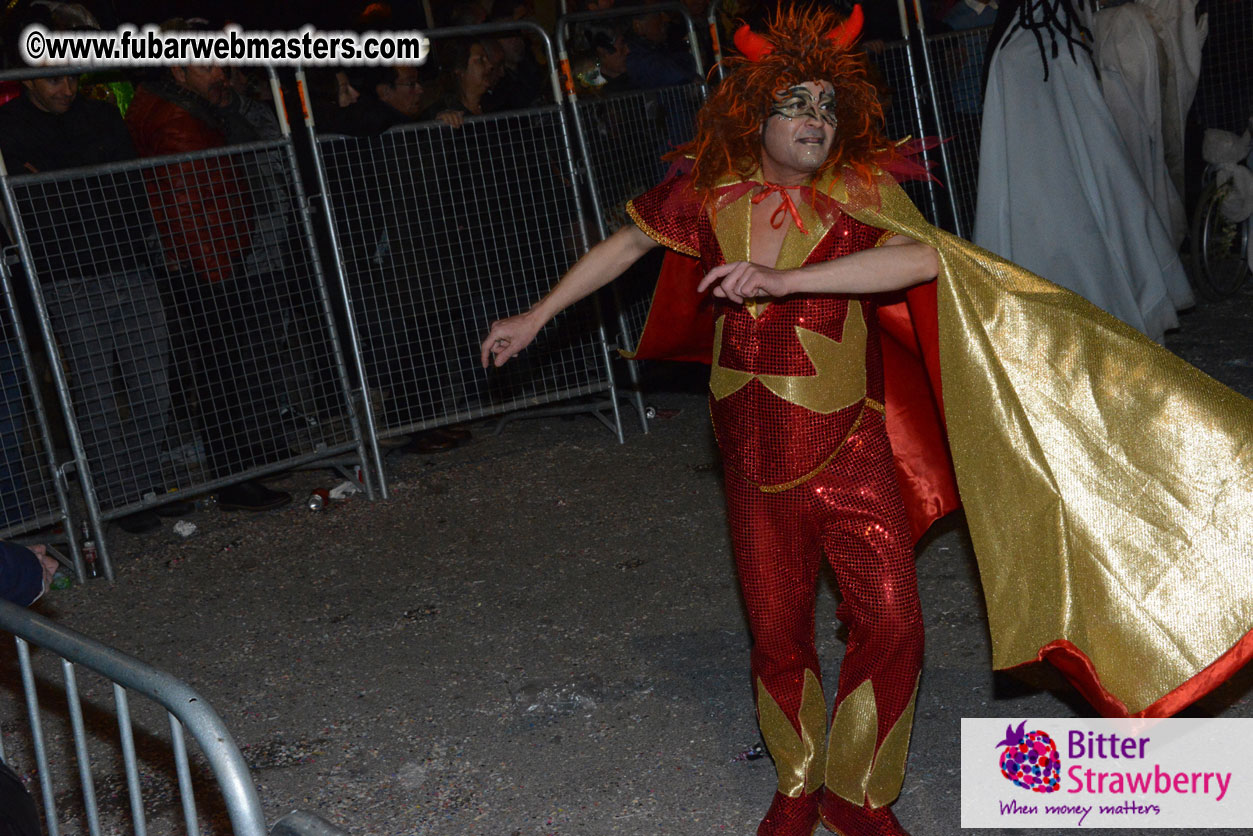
799	49
1059	19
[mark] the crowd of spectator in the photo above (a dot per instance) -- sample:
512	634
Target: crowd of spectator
165	289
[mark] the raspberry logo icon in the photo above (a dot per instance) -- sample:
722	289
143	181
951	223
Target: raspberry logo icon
1030	759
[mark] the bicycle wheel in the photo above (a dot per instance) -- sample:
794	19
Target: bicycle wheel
1220	262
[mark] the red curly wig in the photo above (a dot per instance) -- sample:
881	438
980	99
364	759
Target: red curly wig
728	127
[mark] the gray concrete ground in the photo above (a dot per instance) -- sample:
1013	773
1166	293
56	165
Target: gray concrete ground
540	633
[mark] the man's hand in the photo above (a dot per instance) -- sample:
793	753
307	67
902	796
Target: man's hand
451	118
742	280
901	262
598	267
507	337
48	562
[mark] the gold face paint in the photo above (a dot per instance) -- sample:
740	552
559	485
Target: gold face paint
799	101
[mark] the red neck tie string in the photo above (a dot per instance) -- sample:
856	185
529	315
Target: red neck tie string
776	220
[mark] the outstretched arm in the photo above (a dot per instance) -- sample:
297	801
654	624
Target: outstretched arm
602	264
899	263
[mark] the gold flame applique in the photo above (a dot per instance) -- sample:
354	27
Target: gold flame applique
839	378
796	756
856	771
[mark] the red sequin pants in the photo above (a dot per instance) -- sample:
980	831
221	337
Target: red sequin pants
852	513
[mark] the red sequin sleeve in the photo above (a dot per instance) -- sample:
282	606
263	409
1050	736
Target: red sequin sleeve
670	214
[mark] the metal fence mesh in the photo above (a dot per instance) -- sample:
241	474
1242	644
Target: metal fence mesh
443	231
903	97
189	317
28	495
624	137
957	61
1224	96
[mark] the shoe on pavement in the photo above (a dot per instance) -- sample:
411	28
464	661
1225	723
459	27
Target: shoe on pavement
460	435
429	441
177	508
789	816
251	496
847	819
174	508
140	522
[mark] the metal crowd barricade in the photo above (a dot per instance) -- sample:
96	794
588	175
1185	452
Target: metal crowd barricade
439	232
622	137
903	92
1224	95
197	274
938	92
80	773
957	99
32	483
929	92
717	36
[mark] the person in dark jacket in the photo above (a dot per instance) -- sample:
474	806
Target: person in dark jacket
25	573
651	61
210	219
472	70
90	244
523	80
380	218
612	53
16	504
388	96
18	814
331	97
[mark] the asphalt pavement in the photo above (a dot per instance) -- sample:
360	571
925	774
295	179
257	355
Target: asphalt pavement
538	633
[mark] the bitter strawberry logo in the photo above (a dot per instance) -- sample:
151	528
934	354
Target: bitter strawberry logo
1030	759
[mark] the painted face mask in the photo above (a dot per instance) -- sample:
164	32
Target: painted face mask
799	102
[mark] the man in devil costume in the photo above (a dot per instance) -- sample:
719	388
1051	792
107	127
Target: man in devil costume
791	207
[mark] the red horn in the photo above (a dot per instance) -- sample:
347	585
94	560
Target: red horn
846	34
751	45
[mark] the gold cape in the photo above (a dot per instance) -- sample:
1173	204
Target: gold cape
1108	484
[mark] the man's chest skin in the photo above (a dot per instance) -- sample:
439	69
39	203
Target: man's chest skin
765	240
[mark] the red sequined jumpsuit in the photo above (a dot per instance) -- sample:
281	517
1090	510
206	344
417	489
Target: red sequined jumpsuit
796	394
